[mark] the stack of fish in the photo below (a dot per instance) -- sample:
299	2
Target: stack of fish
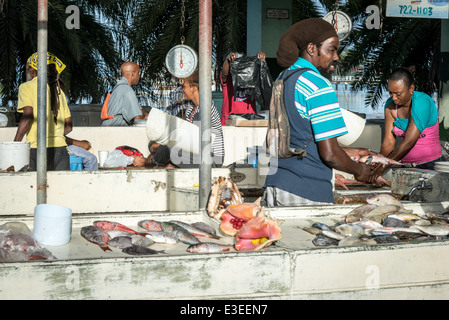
112	234
382	220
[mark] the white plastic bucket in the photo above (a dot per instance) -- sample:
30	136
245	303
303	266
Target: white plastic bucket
355	125
15	154
52	224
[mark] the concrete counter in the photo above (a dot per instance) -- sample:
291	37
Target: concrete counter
291	269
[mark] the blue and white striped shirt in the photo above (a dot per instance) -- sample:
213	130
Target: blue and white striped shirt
316	101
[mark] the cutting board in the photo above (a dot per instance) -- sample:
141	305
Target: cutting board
247	123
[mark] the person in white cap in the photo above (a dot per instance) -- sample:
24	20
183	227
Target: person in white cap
315	120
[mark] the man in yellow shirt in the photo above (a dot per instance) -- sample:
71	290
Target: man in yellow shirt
59	121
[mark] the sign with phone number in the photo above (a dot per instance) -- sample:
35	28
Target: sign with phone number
435	9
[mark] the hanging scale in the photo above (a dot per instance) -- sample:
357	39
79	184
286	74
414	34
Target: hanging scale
181	61
341	22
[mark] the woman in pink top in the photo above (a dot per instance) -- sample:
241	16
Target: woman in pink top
412	116
231	105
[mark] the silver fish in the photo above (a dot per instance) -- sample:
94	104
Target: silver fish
140	251
208	247
435	229
357	213
193	230
440	217
422	222
321	240
120	242
161	237
350	230
311	230
369	224
378	158
205	227
179	233
384	199
97	236
139	240
332	234
378	214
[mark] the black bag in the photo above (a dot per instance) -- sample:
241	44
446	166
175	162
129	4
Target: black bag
252	80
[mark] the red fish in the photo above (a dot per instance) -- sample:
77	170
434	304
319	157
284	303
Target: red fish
150	225
109	225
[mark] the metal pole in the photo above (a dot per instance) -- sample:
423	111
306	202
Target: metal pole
205	73
444	75
41	164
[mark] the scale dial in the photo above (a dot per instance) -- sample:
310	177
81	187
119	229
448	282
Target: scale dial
343	23
181	61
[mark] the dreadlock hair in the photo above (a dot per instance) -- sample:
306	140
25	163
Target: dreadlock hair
53	83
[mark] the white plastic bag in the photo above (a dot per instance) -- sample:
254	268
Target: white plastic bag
116	159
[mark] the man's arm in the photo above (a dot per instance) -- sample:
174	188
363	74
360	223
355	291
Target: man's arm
335	157
25	123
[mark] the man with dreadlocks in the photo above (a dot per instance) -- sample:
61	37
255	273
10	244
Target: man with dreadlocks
59	121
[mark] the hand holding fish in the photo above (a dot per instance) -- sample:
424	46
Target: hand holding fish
356	153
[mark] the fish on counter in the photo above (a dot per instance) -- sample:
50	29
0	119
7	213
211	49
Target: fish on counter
150	225
122	242
141	251
161	237
109	225
208	247
382	220
96	235
205	227
179	233
194	230
383	199
17	243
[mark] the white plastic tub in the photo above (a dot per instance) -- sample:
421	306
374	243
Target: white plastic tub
15	154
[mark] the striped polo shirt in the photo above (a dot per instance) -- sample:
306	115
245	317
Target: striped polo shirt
316	101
